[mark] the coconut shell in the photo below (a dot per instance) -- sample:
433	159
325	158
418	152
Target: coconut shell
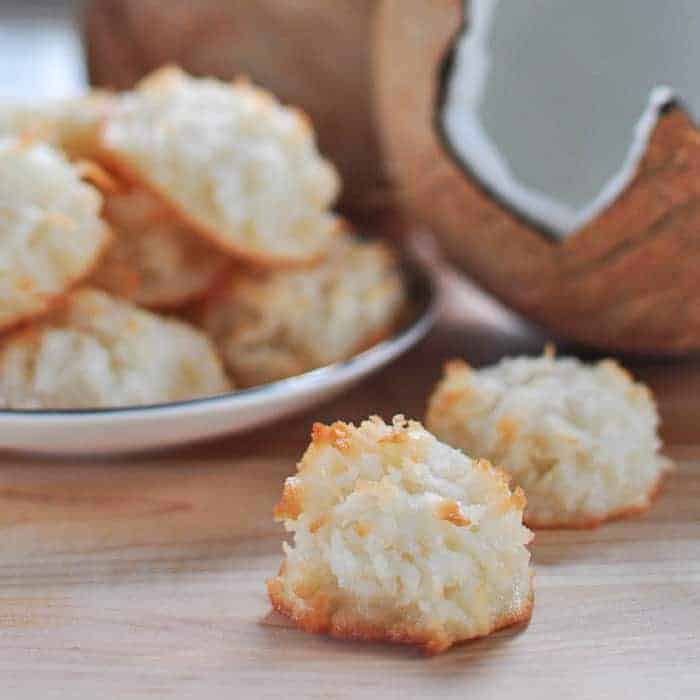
311	53
628	281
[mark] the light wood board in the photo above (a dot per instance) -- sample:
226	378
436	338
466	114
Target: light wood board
144	577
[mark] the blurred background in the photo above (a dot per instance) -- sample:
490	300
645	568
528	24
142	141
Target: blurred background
41	54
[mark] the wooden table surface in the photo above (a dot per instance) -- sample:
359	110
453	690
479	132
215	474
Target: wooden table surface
144	576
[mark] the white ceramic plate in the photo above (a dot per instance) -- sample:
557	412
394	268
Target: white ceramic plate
49	31
148	427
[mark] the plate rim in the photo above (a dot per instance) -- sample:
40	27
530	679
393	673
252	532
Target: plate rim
424	318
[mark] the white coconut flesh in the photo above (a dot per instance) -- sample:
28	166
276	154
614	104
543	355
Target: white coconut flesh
550	104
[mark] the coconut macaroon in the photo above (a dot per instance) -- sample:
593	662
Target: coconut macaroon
51	233
399	537
72	124
154	260
581	440
99	352
271	326
231	161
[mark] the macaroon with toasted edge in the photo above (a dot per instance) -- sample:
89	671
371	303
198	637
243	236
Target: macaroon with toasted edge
71	124
97	351
309	53
233	163
275	325
51	233
400	538
154	260
581	440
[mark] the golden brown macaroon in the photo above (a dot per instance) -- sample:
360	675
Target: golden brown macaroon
581	440
276	325
51	233
97	351
233	163
154	260
400	538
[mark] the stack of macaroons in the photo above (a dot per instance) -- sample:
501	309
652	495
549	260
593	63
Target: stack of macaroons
270	326
186	196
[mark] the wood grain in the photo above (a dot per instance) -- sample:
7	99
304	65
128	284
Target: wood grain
144	577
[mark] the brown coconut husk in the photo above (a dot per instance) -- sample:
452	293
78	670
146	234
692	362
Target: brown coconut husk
628	281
